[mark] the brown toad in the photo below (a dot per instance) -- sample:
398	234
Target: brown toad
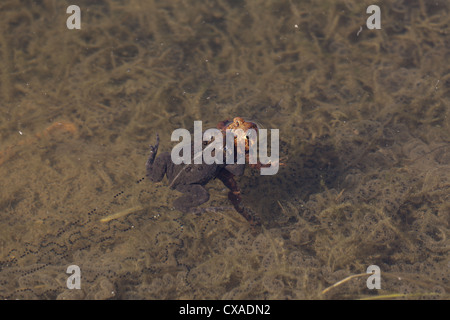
190	179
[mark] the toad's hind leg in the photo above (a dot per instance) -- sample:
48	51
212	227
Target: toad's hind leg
193	196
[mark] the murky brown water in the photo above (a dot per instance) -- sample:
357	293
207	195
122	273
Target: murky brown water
364	128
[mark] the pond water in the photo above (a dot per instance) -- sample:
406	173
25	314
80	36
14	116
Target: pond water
364	139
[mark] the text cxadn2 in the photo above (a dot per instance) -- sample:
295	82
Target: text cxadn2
213	152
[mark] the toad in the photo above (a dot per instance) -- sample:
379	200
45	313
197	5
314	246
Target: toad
190	179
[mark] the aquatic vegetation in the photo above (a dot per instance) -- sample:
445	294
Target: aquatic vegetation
364	126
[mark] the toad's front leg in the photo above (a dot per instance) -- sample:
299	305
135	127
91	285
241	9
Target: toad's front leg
235	197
